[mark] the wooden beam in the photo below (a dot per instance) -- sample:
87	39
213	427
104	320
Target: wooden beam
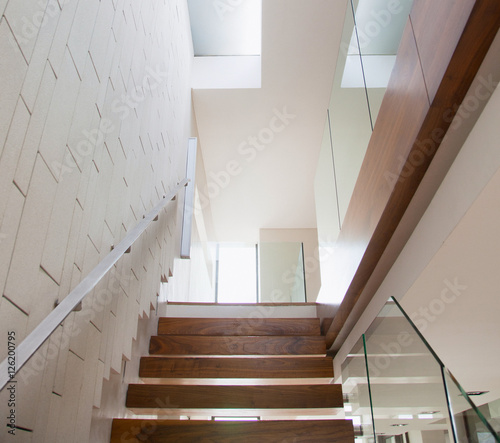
230	397
298	431
241	345
275	367
238	326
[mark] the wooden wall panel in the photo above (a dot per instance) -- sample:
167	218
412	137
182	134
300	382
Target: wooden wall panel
405	105
438	26
406	137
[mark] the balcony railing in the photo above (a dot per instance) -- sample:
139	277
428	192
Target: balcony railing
397	389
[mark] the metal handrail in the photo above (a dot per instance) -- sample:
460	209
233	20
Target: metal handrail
187	219
42	332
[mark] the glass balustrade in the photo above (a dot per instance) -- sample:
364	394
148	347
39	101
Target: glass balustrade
267	272
398	390
281	270
369	43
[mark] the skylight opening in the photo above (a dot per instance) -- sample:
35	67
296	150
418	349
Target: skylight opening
226	27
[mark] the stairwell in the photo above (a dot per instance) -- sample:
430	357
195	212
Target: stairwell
274	370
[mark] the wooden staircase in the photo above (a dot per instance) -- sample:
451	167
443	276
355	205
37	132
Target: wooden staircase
275	369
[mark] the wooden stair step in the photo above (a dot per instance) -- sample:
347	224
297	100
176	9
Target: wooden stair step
165	431
229	397
238	326
263	367
236	345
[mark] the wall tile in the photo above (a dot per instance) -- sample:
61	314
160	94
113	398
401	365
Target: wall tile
61	36
41	50
31	236
55	134
25	17
8	229
81	32
12	71
9	156
29	151
56	243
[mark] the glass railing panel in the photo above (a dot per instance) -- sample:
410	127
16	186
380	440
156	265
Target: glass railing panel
369	43
281	272
406	382
348	121
355	387
413	397
267	272
375	42
472	423
325	196
458	400
492	410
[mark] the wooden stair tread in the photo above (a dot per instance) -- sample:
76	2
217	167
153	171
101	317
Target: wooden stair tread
198	366
303	431
207	367
236	345
228	397
238	326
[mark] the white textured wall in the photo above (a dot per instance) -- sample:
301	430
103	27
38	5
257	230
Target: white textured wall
94	121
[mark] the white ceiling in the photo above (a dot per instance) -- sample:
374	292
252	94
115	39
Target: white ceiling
300	41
